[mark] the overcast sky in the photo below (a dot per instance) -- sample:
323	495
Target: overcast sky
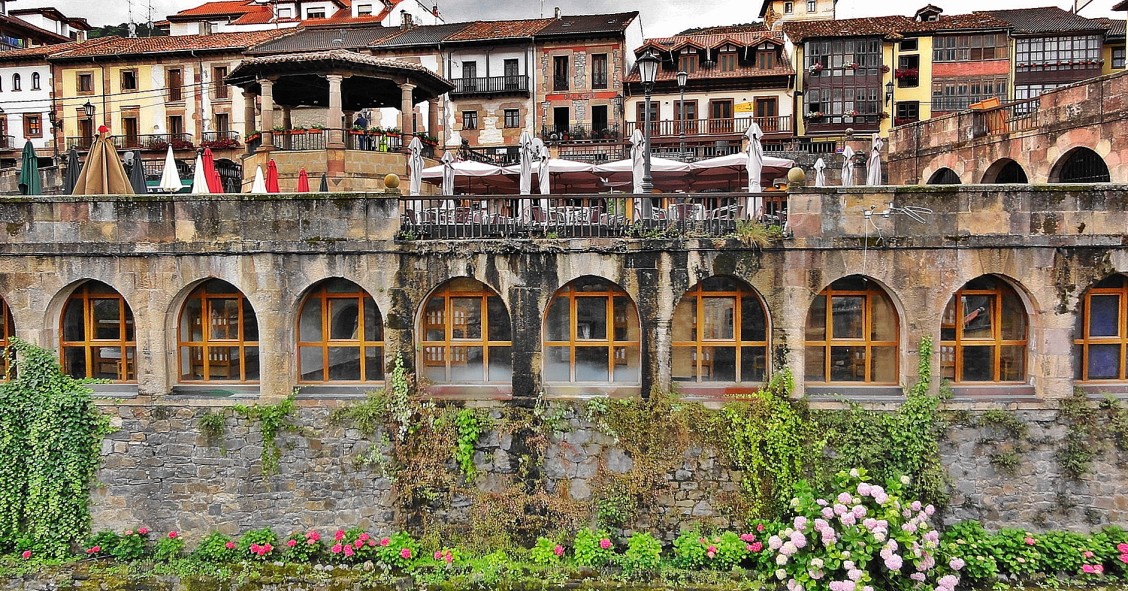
659	17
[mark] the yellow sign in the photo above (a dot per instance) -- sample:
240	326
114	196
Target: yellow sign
744	108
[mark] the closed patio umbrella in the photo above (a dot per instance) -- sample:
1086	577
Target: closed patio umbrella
217	181
170	177
638	159
137	175
541	155
70	179
215	184
103	174
258	186
820	173
873	165
755	169
303	181
525	147
272	177
415	166
200	178
324	186
448	173
847	167
29	171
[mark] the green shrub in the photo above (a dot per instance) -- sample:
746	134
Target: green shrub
132	545
101	543
592	548
259	544
169	548
303	547
972	544
1062	552
546	551
1016	552
216	548
642	556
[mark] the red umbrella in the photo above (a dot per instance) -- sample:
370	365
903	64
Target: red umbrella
214	184
272	177
303	181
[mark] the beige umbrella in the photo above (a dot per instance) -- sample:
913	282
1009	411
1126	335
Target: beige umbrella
103	174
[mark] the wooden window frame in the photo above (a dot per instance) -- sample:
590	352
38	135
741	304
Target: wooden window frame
136	80
175	90
698	294
17	82
514	121
220	91
362	298
688	59
1084	340
127	362
33	125
829	341
78	77
600	76
469	120
959	343
206	342
445	291
571	294
36	81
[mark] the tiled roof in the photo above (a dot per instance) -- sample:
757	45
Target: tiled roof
486	30
726	29
715	73
422	35
43	51
1122	5
322	38
894	26
711	41
250	12
220	8
1046	19
37	33
119	46
1116	26
588	24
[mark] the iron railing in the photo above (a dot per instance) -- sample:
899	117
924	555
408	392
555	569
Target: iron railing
725	126
372	142
490	85
220	139
157	142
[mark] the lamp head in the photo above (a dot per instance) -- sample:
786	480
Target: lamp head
648	67
88	108
683	77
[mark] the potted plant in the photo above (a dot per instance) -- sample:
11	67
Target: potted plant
816	68
884	69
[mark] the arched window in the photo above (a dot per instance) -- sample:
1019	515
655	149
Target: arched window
1005	171
1101	336
218	335
852	334
97	334
340	335
1080	165
35	80
16	82
592	334
720	333
944	176
983	333
6	331
466	335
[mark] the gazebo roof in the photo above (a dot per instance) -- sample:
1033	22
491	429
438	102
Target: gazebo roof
369	81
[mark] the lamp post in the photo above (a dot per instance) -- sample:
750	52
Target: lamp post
648	70
889	92
683	77
88	110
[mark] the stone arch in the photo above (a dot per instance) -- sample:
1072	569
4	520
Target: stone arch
855	336
215	333
985	332
592	333
338	333
1080	165
721	333
464	334
1004	171
97	335
944	176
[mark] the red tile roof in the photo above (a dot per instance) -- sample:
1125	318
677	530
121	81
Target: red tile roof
1122	5
486	30
712	41
715	73
891	27
220	8
42	51
119	46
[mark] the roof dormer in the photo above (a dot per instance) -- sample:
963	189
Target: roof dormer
929	13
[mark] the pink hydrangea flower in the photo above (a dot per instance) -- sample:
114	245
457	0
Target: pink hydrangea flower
385	541
1086	554
254	548
230	545
710	554
1122	547
558	550
1029	541
314	536
358	543
340	535
349	550
291	543
605	543
438	554
310	541
1087	568
760	527
94	550
336	549
371	543
747	537
363	537
26	554
757	546
172	535
405	553
449	558
143	531
1124	558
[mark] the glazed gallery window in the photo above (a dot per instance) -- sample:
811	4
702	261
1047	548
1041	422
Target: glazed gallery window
340	335
983	333
957	95
1101	334
218	335
466	335
97	334
852	334
1057	53
843	57
970	48
592	334
720	333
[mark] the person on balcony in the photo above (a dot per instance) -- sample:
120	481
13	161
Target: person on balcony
362	124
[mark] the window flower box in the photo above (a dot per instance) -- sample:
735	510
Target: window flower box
906	73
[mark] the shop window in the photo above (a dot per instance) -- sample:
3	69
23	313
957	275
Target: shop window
340	335
983	334
720	333
97	337
852	334
217	335
466	335
592	334
1101	335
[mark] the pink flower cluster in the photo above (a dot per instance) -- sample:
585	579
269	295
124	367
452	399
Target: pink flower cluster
229	545
1122	548
751	544
261	550
26	554
93	549
1092	569
558	550
445	555
605	544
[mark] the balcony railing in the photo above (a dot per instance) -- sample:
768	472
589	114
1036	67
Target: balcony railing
729	126
147	142
368	141
491	85
8	142
220	140
1009	118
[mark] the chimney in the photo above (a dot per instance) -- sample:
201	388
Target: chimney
557	12
406	23
435	11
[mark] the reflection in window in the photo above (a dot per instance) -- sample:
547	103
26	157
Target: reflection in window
1101	334
852	334
591	334
720	333
97	334
466	335
983	334
340	335
218	335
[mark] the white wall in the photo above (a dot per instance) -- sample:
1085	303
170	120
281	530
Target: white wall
668	101
27	101
495	57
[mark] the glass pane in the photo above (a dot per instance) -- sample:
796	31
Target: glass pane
434	364
883	365
557	363
1104	362
74	361
309	324
219	286
108	362
814	364
499	325
373	325
73	327
466	318
720	318
501	364
626	319
884	319
1012	363
311	364
685	320
191	364
344	363
373	363
339	285
847	317
250	364
557	320
222	363
344	320
948	321
223	319
129	330
976	319
753	364
466	364
1014	318
718	364
816	321
684	368
591	364
753	324
107	319
847	364
948	363
434	323
719	283
591	319
626	364
130	364
978	364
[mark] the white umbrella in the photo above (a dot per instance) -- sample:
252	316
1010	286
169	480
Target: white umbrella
847	167
415	164
447	173
873	165
170	178
526	167
200	178
638	158
540	153
755	169
820	173
258	186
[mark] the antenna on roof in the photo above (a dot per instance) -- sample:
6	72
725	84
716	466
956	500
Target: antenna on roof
1079	5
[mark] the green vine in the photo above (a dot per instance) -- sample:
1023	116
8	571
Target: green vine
272	419
213	427
50	445
470	428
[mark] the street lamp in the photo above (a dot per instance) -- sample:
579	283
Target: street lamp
88	109
683	77
888	92
648	70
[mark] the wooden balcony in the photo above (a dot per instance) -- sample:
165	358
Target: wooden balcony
492	85
774	127
145	142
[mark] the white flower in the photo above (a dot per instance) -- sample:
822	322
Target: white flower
905	479
854	472
781	574
781	559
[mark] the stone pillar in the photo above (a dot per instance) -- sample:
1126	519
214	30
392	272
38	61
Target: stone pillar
267	114
433	117
335	113
249	121
407	129
287	121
